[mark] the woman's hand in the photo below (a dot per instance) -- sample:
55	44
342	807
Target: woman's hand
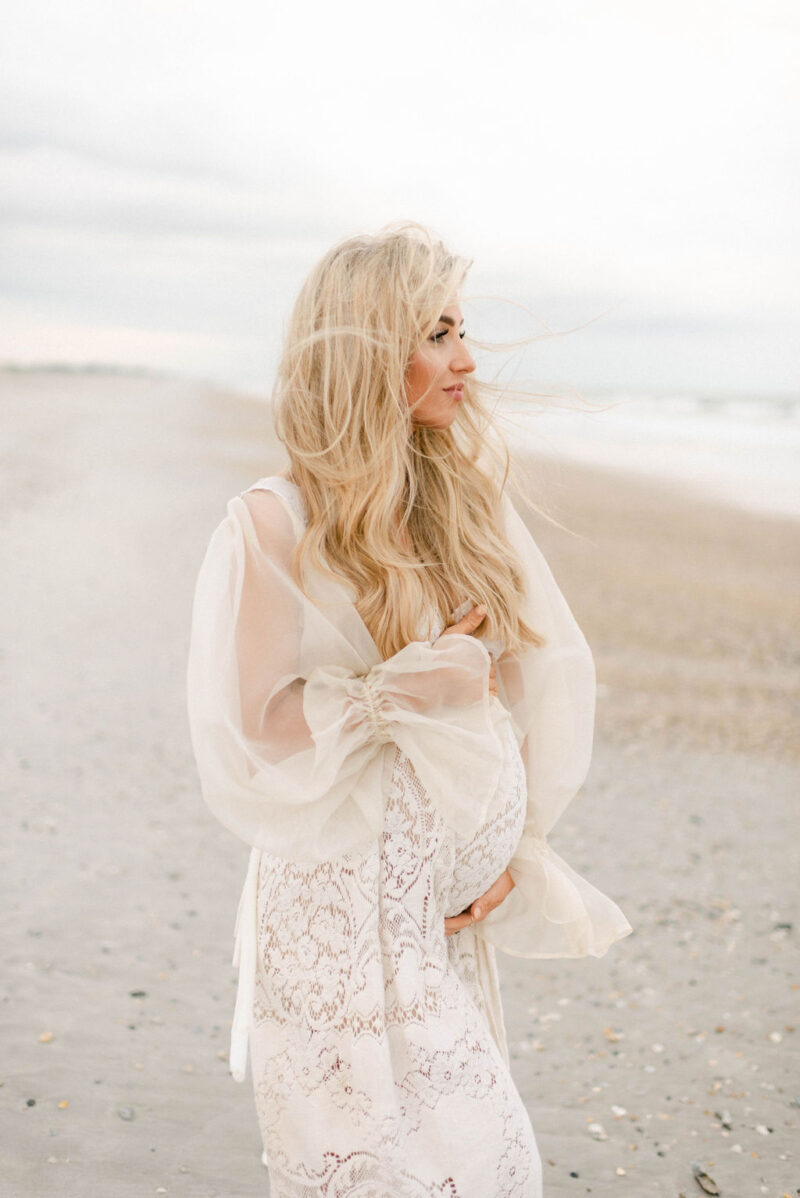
487	902
469	624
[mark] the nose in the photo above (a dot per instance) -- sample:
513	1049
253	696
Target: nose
463	362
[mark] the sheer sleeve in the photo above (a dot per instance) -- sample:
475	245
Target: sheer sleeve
550	691
293	715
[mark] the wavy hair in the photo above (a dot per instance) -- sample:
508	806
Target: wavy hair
408	515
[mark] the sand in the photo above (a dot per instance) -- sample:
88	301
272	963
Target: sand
119	889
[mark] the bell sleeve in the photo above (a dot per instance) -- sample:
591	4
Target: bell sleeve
294	716
550	692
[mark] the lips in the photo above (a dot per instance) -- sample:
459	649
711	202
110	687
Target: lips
456	391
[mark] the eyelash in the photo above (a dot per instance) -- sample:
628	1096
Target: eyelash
440	336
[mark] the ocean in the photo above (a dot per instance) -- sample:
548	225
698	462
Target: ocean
745	452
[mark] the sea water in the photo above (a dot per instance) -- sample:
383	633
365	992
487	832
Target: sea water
744	452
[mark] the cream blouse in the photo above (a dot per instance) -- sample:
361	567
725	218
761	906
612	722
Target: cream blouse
295	717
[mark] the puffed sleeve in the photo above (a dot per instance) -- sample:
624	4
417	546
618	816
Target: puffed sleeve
550	691
293	715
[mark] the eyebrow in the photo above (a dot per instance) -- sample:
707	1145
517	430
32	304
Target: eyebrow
448	320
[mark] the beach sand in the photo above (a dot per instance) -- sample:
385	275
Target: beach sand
119	889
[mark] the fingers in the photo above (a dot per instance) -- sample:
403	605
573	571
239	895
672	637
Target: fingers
493	897
478	911
457	922
468	623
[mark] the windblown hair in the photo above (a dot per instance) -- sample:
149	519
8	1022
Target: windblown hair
408	515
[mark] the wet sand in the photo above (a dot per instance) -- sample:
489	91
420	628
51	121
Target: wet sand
119	890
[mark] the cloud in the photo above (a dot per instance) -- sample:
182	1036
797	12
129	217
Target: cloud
54	187
185	163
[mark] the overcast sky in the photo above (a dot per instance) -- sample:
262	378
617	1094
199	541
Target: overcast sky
170	170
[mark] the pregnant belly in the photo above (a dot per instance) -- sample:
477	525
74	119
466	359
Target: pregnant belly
480	861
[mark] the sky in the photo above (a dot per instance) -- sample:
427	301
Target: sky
170	171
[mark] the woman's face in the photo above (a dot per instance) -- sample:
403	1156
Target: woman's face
436	371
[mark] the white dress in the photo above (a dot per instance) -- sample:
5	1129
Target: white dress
376	1043
378	1050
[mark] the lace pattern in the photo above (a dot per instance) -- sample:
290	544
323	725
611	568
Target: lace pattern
378	1050
376	1038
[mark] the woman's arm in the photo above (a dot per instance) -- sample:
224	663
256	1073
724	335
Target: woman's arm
289	715
552	911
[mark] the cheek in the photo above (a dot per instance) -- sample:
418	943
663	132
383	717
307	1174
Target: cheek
420	377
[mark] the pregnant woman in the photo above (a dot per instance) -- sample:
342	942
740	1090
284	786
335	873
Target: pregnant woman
391	703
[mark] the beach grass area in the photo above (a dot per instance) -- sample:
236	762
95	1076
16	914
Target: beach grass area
119	888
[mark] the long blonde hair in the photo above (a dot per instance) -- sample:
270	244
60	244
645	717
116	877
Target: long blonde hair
408	515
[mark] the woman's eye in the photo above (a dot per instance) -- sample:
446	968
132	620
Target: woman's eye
443	333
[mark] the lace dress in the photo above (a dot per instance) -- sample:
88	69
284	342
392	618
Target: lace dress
377	1043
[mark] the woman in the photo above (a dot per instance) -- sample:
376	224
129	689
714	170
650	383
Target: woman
391	703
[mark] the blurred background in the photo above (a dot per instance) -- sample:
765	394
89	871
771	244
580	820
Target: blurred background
170	171
625	174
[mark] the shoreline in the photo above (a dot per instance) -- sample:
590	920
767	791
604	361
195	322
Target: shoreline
657	451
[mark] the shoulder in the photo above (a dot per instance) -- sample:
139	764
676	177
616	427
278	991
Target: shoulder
271	512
